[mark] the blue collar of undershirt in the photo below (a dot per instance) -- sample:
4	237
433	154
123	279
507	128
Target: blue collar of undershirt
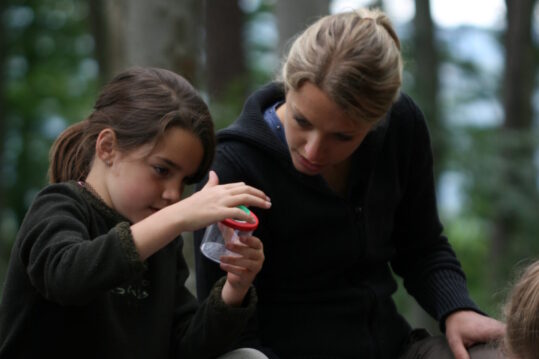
271	118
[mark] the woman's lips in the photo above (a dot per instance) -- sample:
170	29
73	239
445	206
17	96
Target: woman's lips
312	167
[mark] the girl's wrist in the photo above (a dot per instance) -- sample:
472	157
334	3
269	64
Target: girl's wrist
233	296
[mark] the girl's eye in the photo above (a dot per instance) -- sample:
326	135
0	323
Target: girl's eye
161	171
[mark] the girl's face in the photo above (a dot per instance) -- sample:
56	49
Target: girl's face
320	135
143	181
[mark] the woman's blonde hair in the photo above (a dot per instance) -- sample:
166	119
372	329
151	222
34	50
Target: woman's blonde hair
354	57
522	315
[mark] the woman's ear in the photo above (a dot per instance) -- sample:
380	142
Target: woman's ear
105	146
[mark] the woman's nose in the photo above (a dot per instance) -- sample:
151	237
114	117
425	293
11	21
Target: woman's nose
313	148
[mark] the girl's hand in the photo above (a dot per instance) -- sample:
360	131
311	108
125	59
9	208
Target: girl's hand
210	205
241	269
215	202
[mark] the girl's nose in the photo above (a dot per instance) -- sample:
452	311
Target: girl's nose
172	193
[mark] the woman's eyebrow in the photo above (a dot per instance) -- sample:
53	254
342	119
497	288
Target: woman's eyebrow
297	114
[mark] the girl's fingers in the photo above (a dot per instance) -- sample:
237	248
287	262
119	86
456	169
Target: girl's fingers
231	269
252	242
246	265
244	189
213	180
248	247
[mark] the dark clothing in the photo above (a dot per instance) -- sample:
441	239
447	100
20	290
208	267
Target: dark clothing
326	285
76	288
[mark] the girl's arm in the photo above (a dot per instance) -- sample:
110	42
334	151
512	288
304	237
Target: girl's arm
212	204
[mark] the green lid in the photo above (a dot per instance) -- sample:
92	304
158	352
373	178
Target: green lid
244	209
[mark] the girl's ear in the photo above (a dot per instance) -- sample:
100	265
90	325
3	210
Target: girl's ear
105	146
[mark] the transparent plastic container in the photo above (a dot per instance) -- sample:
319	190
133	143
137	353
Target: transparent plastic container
228	230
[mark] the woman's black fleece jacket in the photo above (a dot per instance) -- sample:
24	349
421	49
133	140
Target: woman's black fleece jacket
326	285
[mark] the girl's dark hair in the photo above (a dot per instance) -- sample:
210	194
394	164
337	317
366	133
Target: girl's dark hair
139	104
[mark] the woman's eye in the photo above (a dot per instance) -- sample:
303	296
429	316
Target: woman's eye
302	122
343	137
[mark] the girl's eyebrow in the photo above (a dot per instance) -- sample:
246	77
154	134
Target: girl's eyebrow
170	163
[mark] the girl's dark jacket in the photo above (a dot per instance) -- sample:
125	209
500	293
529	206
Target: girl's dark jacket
326	285
76	288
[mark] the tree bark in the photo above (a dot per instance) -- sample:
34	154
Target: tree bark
426	79
225	53
518	120
295	16
3	51
160	33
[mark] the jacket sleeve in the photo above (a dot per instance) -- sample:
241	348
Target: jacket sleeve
431	271
64	262
211	328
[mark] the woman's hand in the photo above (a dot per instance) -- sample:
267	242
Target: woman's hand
241	268
465	328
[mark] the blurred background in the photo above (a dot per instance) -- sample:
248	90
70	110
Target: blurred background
472	65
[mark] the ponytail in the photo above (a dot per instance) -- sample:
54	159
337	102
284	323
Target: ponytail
138	104
70	156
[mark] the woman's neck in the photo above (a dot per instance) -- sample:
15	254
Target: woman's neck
337	177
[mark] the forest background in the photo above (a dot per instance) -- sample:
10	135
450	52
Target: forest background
477	85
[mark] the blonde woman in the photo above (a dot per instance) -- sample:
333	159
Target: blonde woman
346	159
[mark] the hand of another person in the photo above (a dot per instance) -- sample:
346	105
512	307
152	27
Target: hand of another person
215	202
242	268
465	328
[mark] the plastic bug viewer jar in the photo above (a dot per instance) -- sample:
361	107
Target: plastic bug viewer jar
228	230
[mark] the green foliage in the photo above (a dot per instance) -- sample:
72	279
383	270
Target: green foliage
49	82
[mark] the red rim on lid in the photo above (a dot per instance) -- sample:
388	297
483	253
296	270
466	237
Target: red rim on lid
242	225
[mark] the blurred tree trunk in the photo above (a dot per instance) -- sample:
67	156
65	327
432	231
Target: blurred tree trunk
4	253
425	72
295	16
161	33
225	53
426	63
3	51
227	74
518	152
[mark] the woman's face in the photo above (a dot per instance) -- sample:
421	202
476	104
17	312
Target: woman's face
320	135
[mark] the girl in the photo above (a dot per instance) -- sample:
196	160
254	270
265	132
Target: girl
346	159
97	269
